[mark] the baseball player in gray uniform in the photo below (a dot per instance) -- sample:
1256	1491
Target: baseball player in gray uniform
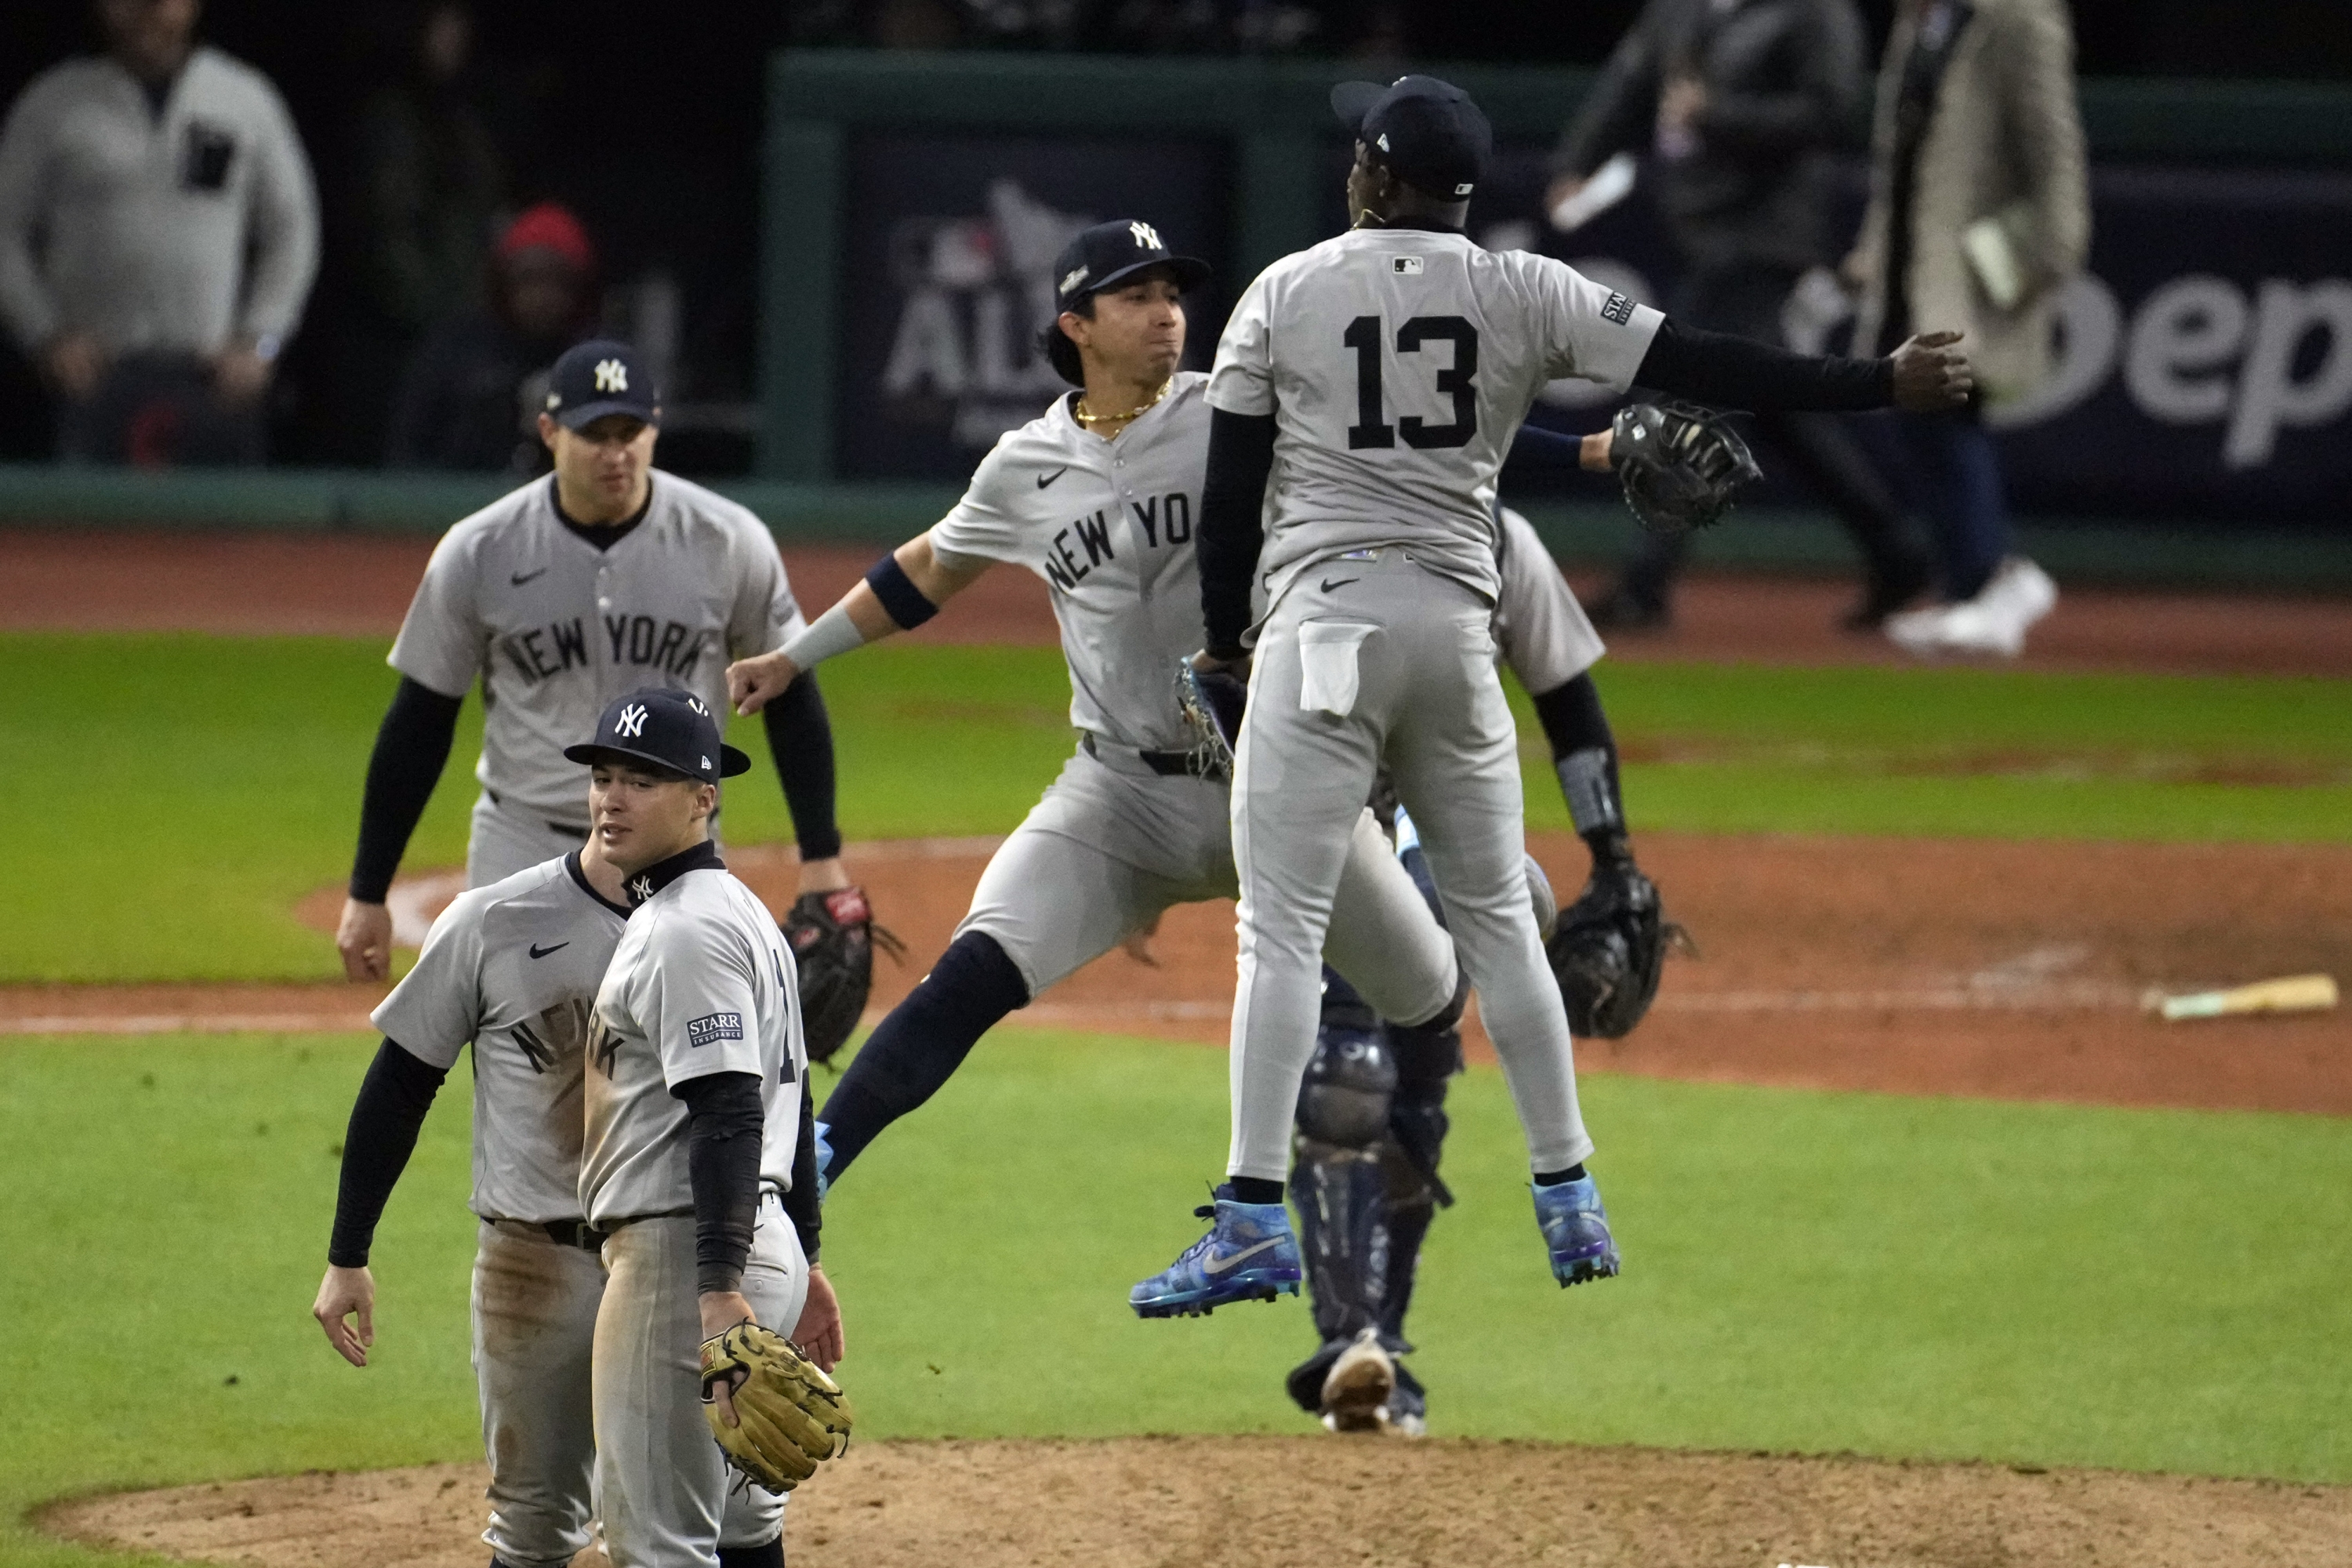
512	969
697	1164
604	577
1382	376
1097	496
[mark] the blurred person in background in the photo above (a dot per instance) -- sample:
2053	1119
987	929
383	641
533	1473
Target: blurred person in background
427	191
1739	104
1979	214
159	235
472	396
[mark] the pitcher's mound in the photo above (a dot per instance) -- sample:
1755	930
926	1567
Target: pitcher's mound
1305	1502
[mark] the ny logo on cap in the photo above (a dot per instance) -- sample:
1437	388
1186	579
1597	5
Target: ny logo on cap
632	722
612	375
1146	236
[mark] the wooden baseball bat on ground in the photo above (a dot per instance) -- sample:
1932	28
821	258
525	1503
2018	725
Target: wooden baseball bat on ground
2295	994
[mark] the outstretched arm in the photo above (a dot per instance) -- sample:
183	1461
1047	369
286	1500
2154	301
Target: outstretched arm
904	589
1925	374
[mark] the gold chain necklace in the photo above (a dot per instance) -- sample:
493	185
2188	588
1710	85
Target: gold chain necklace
1090	420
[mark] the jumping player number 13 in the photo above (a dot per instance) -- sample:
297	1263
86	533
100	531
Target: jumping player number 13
1363	335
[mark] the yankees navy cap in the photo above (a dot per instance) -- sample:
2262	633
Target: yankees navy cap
598	377
1425	130
1101	257
671	730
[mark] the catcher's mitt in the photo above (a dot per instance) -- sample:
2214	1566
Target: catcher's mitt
1609	950
789	1415
1681	465
1211	701
833	936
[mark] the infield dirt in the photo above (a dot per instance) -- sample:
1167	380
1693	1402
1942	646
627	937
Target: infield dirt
1269	1503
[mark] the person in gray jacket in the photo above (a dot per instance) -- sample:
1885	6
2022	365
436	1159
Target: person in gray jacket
158	233
1980	215
1739	104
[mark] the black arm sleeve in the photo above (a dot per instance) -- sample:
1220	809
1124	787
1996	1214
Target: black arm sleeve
803	1206
393	1098
723	1123
800	739
411	746
1232	502
1534	446
1740	373
1572	717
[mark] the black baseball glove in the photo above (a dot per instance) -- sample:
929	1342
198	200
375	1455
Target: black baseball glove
1610	949
1681	465
833	936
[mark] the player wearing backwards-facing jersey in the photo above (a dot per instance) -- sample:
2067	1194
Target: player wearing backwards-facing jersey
514	968
1371	1121
604	577
697	1150
1096	496
1382	375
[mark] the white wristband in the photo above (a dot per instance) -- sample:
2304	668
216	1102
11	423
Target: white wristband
831	633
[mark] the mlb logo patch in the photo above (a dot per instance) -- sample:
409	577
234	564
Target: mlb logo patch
1619	309
710	1031
1407	265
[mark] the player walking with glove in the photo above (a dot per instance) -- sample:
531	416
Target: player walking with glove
605	576
1384	375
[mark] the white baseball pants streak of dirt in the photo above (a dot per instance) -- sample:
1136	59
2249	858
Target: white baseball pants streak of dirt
661	1485
534	1324
1072	882
1393	663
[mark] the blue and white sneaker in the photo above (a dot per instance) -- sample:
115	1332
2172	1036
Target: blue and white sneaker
1576	1231
1248	1255
824	1160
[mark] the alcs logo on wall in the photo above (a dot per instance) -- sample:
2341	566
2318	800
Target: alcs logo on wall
975	293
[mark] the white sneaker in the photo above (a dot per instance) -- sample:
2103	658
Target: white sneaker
1995	621
1356	1389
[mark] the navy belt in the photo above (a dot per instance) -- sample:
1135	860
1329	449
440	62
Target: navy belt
1167	764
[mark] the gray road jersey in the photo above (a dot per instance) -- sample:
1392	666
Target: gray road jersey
513	968
1108	526
701	982
556	629
1398	364
1540	630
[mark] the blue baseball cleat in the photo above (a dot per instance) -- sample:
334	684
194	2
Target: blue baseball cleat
1576	1231
1248	1255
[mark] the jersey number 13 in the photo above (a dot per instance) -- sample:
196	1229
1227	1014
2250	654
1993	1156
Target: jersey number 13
1371	428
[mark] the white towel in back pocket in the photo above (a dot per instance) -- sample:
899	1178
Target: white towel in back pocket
1327	664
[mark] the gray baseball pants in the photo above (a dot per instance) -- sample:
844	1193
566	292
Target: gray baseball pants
1392	663
534	1321
661	1482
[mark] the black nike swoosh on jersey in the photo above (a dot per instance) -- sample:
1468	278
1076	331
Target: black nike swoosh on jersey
1328	584
520	578
539	951
1045	479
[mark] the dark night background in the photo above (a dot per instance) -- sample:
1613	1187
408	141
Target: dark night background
649	131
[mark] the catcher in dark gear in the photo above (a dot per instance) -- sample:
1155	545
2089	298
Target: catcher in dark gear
1372	1118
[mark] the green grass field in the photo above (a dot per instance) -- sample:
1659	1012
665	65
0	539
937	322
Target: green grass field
2035	1284
1806	1271
205	784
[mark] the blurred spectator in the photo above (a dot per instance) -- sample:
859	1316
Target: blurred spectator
471	397
158	238
1979	214
1740	104
429	187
